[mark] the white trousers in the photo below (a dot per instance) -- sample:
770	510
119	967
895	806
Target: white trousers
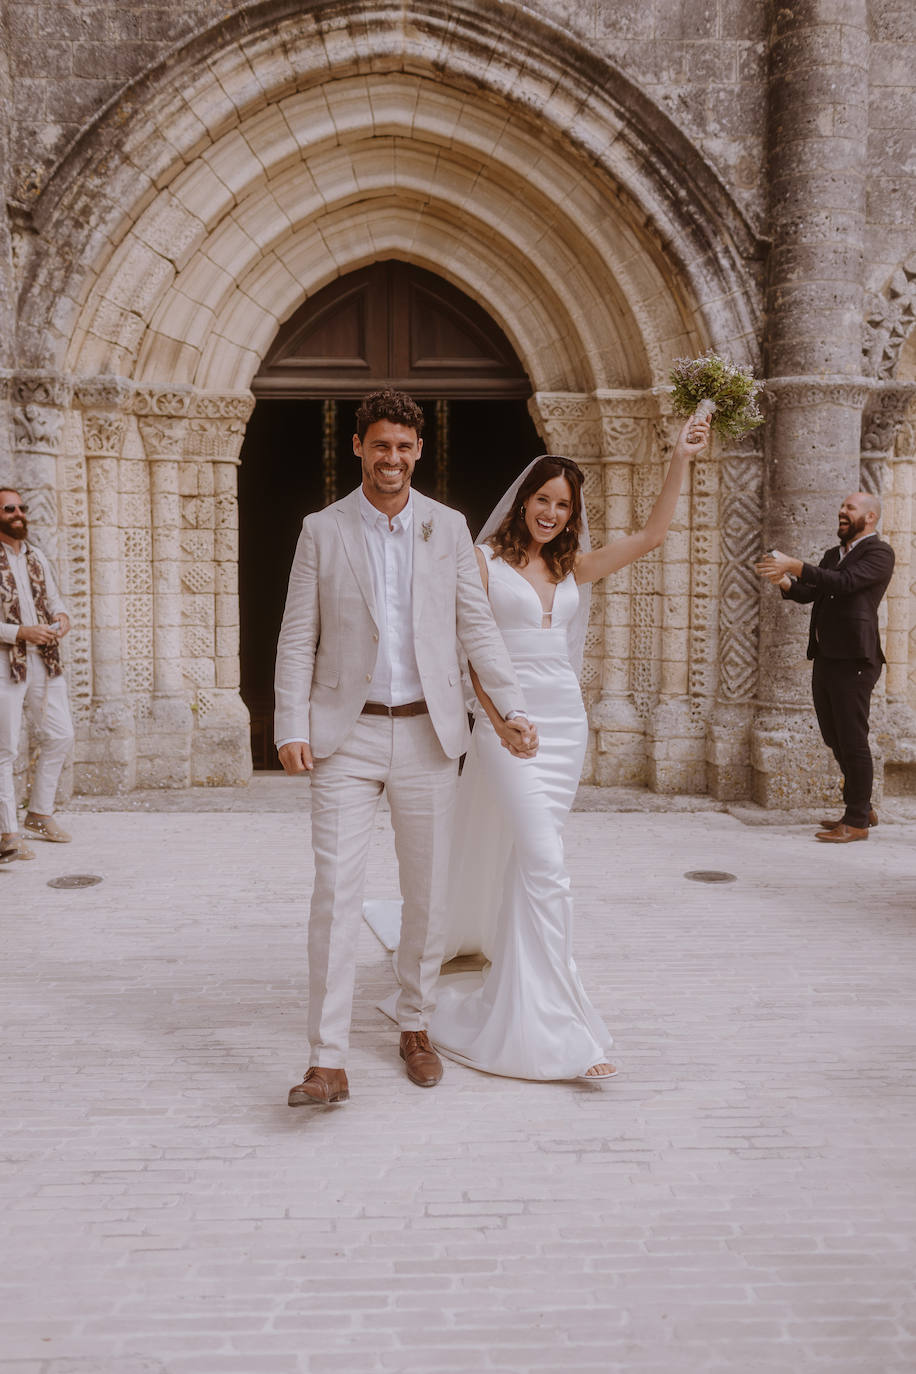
46	704
404	757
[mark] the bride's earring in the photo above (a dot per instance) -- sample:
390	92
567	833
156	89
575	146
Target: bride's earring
521	510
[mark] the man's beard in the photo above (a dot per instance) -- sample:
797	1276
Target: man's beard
846	533
14	526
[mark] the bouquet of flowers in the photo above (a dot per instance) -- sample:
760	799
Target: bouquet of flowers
711	386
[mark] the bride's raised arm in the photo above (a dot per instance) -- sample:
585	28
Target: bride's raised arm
610	558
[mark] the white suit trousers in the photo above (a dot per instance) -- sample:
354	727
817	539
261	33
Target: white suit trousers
46	704
403	756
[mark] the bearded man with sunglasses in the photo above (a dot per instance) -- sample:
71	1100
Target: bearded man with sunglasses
32	623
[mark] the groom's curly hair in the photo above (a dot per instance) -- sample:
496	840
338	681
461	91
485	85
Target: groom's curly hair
511	539
392	405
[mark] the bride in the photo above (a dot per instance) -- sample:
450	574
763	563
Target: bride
528	1015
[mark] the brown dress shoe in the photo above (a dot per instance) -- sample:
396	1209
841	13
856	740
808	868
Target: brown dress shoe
424	1067
841	834
832	825
320	1088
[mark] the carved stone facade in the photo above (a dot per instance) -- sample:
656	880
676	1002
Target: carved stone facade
591	175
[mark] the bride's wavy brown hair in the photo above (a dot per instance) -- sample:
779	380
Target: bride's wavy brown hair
510	540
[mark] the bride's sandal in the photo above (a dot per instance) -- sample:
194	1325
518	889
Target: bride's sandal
610	1071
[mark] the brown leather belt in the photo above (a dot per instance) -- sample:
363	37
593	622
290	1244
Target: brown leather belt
410	708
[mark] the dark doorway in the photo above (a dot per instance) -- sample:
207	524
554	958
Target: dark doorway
298	453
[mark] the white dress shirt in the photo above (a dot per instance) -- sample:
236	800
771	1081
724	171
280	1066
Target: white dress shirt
20	571
844	551
396	679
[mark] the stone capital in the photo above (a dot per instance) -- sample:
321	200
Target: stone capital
888	420
569	422
37	428
103	433
163	437
215	441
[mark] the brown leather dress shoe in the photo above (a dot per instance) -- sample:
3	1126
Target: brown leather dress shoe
320	1088
841	834
832	825
424	1067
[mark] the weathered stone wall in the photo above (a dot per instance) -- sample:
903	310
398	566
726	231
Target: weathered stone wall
618	181
703	61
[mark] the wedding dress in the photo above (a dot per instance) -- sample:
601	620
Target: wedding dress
527	1015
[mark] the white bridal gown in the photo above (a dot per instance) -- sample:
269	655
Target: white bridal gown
527	1015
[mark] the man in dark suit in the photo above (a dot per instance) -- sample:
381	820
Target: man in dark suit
843	641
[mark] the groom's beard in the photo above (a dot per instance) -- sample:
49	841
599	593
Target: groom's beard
388	486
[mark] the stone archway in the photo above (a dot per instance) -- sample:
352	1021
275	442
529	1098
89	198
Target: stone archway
274	155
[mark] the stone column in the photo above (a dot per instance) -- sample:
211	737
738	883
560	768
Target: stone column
818	123
887	468
628	444
164	749
106	746
221	742
728	768
676	743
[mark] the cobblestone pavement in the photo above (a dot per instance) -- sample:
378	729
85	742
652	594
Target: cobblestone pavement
740	1199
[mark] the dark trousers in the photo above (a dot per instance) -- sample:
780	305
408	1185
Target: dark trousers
842	689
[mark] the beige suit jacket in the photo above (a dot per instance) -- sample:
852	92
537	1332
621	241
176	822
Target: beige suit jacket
329	637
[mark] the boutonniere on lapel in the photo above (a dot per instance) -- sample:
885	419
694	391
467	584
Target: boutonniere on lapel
426	530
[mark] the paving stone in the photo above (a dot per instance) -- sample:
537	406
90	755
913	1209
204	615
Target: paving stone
741	1197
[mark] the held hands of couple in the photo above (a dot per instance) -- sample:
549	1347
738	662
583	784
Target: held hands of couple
519	736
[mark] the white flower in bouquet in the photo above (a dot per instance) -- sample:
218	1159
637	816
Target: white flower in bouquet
711	386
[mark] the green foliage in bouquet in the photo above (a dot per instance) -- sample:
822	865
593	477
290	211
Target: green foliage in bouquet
732	391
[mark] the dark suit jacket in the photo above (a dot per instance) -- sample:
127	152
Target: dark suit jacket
846	596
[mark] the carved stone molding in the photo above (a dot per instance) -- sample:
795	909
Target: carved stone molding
103	393
613	426
741	514
818	391
172	401
232	405
40	389
889	319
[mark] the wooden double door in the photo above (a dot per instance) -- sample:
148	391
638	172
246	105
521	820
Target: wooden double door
387	325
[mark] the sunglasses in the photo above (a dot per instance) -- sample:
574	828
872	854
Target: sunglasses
8	510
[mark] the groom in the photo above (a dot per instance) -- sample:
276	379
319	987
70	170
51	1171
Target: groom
384	590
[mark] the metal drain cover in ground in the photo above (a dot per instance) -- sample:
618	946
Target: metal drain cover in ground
709	875
75	880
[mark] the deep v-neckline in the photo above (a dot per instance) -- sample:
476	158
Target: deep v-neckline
545	615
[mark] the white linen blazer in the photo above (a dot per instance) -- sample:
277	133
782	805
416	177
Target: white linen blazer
329	636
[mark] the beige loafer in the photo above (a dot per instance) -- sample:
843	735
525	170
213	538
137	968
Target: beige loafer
19	850
45	828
